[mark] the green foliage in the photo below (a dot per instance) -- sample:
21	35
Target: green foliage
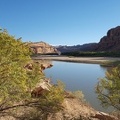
78	94
108	88
40	108
51	101
110	63
92	54
15	80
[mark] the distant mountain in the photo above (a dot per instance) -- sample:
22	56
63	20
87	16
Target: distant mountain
84	47
66	48
43	48
88	47
110	42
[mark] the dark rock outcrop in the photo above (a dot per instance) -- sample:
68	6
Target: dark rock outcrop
110	42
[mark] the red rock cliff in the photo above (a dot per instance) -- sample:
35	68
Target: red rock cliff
43	48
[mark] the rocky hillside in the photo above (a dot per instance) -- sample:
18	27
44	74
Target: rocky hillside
43	48
110	42
74	109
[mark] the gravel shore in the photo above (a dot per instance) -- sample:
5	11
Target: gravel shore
94	60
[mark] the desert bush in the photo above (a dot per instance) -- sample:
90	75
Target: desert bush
108	88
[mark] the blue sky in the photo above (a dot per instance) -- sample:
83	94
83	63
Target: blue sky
59	22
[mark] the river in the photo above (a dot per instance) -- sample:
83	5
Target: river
79	76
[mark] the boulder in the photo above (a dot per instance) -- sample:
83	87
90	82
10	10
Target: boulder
104	116
41	88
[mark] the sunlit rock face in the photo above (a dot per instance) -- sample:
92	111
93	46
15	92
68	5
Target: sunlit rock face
43	48
110	42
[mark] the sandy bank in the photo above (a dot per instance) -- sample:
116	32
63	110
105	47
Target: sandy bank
95	60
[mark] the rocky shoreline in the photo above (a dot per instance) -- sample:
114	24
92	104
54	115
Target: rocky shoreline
74	109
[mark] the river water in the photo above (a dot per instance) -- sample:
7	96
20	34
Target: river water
79	76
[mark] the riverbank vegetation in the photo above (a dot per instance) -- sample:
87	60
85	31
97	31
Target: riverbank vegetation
17	81
108	90
110	63
97	54
92	54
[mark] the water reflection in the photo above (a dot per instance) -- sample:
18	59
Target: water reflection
78	76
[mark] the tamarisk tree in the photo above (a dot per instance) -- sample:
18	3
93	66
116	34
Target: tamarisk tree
108	88
15	80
